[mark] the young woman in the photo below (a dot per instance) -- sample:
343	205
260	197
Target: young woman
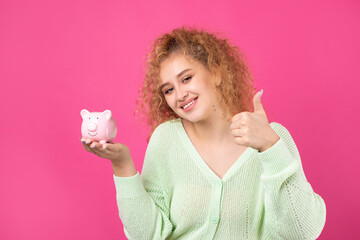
214	168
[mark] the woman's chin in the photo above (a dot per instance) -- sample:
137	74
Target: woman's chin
193	118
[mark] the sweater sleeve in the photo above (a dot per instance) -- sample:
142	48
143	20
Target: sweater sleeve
141	201
292	209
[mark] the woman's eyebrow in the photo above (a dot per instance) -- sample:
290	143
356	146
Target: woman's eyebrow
182	72
178	76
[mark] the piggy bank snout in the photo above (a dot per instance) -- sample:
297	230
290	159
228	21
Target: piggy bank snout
92	127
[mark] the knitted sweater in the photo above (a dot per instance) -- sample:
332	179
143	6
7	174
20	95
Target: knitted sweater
177	196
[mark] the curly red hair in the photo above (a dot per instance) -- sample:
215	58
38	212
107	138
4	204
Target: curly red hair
223	60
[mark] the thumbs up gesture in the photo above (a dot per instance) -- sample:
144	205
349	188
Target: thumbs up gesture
252	129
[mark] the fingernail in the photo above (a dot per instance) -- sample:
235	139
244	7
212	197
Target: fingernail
104	146
82	140
92	146
262	91
87	141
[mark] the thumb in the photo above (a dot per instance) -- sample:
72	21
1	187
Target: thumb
258	107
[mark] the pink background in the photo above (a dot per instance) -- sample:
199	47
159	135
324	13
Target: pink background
58	57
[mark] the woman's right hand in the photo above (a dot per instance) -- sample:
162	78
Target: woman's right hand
117	153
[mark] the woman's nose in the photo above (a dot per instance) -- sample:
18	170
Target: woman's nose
182	94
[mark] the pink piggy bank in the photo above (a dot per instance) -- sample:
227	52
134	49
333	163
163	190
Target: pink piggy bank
99	126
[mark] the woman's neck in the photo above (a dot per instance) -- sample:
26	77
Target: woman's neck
214	131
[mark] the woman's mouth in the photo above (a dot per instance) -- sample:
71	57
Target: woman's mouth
190	105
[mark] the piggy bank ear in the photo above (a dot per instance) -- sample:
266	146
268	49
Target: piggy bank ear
84	113
107	114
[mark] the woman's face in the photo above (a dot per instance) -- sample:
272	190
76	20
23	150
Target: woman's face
186	86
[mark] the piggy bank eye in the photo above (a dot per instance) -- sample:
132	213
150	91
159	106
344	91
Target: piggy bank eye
97	118
89	117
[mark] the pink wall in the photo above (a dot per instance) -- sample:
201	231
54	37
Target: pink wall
58	57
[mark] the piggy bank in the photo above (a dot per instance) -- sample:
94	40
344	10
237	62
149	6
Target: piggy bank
99	126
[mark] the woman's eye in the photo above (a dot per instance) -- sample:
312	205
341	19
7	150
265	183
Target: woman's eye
170	89
187	78
167	91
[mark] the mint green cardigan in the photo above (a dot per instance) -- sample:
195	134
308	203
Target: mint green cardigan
262	196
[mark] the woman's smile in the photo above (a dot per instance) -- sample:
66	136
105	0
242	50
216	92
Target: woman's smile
190	105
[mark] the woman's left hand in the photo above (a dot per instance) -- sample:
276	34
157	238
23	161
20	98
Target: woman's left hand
252	129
